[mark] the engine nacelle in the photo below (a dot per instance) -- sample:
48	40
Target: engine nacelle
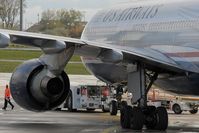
33	89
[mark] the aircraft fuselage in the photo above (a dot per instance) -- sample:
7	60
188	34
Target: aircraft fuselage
166	26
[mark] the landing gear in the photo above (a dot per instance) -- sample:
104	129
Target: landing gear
135	118
140	114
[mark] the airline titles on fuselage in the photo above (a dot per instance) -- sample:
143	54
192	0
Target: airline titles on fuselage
136	13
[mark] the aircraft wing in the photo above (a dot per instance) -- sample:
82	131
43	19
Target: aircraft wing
52	44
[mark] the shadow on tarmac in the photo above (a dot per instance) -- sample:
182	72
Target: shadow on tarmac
81	111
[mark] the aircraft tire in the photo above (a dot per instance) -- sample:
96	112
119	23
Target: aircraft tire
137	119
151	117
162	119
125	119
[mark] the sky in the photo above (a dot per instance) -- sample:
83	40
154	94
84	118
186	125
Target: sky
88	7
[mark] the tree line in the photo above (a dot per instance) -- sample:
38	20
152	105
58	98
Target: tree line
61	22
57	22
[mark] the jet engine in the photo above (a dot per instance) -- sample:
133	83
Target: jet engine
34	88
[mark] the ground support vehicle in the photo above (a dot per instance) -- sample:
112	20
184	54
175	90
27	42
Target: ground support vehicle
177	106
89	97
181	104
84	97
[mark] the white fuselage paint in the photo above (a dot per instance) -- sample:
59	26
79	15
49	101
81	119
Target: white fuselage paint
170	27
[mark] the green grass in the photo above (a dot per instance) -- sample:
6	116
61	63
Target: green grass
19	55
26	55
76	58
76	69
8	67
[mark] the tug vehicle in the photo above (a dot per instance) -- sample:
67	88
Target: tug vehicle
89	97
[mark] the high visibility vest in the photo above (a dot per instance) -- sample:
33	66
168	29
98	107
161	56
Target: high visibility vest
7	93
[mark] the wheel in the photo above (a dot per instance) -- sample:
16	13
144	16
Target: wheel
162	119
104	109
137	119
151	117
177	109
194	111
125	119
113	108
156	118
88	109
70	102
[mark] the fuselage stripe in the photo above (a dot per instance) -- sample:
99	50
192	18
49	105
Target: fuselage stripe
183	54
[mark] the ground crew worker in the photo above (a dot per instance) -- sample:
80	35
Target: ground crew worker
7	98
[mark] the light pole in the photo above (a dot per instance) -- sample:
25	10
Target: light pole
21	15
38	17
1	13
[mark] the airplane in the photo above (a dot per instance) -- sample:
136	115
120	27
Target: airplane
135	44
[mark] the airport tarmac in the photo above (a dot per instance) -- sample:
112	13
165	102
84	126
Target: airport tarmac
23	121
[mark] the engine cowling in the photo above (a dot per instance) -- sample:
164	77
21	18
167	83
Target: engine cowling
34	90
